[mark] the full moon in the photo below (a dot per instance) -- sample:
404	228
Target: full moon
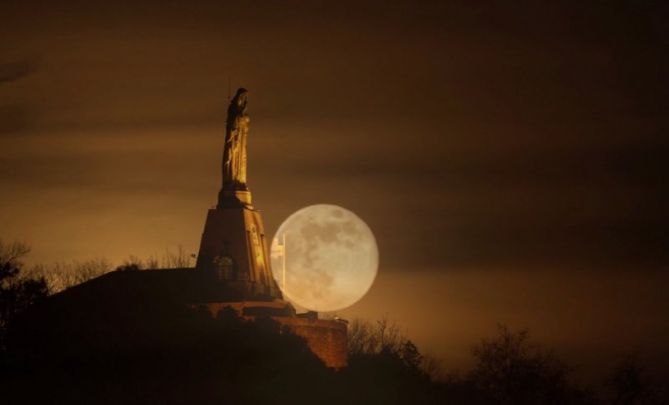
324	257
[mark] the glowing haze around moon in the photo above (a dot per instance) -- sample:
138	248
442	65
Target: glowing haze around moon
329	260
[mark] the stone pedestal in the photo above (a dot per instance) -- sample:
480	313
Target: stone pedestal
234	248
234	198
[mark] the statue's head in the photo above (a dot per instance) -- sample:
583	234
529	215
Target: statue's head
240	96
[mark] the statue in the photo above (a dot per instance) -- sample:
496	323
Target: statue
234	152
234	246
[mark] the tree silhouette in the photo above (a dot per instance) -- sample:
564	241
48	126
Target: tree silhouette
631	385
60	276
16	293
510	369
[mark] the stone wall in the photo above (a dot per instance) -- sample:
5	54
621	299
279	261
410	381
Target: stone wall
327	339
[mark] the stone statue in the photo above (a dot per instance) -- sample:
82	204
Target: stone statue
234	152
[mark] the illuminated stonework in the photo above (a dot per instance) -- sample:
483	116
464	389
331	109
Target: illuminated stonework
234	262
234	247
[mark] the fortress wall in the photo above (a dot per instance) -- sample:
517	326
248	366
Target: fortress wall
327	339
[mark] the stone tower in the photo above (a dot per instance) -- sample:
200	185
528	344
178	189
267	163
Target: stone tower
234	248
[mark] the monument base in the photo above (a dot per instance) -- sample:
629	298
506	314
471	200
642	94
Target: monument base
235	250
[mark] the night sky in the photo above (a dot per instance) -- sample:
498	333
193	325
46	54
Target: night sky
512	161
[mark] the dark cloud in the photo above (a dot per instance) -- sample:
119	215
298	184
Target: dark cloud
15	118
10	72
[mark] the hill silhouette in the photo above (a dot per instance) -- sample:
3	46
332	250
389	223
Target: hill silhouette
128	337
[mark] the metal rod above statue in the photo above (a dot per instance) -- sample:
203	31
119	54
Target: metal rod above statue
233	189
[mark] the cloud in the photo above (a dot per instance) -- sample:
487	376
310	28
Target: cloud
15	118
462	134
10	72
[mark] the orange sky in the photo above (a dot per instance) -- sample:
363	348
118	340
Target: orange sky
511	161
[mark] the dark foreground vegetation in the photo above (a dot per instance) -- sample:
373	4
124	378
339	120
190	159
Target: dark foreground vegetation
154	352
